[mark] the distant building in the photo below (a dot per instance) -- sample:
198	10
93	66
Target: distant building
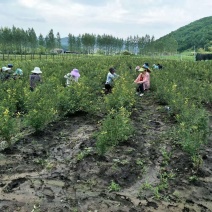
57	51
70	52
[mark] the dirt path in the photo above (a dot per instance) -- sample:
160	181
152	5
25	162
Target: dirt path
59	171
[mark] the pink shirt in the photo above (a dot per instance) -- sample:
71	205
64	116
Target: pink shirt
145	80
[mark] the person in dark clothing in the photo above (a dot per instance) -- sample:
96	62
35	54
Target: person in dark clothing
5	73
35	78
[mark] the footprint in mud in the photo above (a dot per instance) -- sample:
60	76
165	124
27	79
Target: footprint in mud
48	193
14	184
155	124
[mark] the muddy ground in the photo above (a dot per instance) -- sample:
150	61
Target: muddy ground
58	170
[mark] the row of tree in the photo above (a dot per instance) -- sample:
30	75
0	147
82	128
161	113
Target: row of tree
22	41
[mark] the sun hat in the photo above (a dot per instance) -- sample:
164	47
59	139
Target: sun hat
18	72
145	66
10	65
36	70
5	68
75	72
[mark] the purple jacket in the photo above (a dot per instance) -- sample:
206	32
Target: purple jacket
34	79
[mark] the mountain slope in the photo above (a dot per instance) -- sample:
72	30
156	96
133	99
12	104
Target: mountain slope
197	34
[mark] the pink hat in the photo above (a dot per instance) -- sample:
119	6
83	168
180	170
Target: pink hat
75	72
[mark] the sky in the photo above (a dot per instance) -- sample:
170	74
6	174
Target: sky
119	18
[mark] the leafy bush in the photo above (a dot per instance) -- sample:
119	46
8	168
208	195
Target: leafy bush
116	127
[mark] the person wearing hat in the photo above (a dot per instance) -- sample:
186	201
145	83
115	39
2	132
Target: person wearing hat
10	66
147	72
110	79
5	73
155	66
35	78
18	73
73	76
142	82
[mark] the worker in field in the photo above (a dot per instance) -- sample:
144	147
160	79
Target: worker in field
10	65
147	72
11	68
18	73
73	76
5	73
35	78
143	80
158	66
111	76
155	66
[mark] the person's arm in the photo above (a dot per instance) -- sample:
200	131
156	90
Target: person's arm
138	79
66	76
115	75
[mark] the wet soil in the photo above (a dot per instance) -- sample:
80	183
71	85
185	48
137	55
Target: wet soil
58	170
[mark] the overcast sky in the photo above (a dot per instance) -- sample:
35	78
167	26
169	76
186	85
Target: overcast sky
119	18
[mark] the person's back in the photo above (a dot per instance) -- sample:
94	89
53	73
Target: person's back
35	78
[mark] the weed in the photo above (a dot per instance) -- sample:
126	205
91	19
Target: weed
157	194
123	162
139	161
197	161
114	186
146	186
84	153
36	208
166	154
193	178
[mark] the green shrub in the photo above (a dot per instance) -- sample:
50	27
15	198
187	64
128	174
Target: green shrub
116	127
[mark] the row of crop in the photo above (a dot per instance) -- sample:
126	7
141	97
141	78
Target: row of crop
186	87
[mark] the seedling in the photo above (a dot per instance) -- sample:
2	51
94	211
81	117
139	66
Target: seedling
114	187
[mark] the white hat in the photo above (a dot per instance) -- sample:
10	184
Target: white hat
5	68
36	70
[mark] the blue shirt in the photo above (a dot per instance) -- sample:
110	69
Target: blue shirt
111	77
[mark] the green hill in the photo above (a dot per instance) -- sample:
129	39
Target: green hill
197	34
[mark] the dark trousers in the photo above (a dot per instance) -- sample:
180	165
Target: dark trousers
140	88
108	88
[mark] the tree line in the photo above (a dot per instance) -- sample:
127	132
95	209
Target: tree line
19	41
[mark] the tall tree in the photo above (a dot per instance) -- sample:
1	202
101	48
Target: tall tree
32	39
58	41
50	40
